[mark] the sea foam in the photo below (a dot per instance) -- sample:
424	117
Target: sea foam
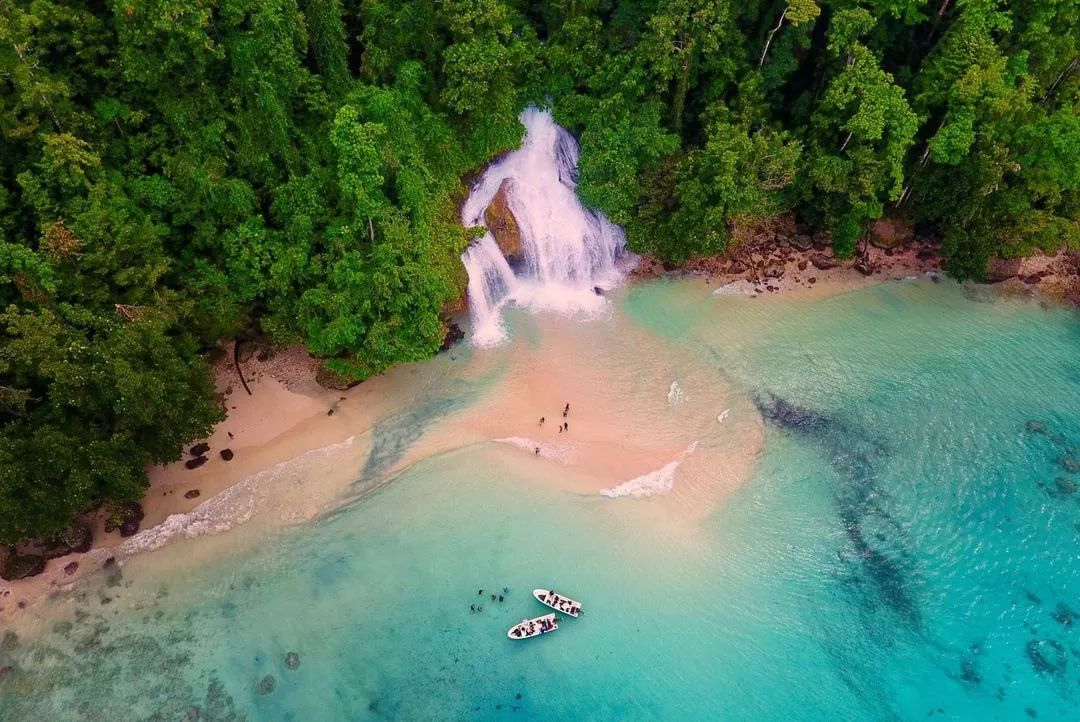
656	482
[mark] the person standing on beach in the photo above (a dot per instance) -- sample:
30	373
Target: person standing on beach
566	411
541	420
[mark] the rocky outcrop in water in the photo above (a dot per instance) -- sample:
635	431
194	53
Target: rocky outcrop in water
453	335
500	220
266	685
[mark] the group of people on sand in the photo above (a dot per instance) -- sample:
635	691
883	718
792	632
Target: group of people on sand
564	426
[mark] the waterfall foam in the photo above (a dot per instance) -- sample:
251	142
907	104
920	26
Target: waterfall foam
567	250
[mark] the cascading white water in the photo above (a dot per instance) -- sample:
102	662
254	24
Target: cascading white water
567	250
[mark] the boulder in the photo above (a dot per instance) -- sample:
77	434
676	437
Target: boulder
864	267
199	449
21	566
889	233
1002	269
126	518
292	660
196	462
453	335
823	262
802	265
227	454
191	494
736	267
802	241
500	220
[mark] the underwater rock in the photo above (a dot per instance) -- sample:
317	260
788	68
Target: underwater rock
292	660
1065	486
786	414
22	566
266	685
1070	464
1036	427
196	462
5	672
1047	656
1064	615
11	641
192	714
191	494
227	454
969	672
199	449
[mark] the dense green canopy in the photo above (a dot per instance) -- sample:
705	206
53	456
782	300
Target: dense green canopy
175	171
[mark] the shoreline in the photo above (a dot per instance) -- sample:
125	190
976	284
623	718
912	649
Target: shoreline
288	414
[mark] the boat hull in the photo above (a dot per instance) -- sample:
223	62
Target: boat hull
535	627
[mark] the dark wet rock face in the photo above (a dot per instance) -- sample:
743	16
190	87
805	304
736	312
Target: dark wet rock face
22	566
1047	657
266	685
292	660
453	335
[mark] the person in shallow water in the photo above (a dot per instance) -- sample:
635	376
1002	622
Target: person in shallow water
537	451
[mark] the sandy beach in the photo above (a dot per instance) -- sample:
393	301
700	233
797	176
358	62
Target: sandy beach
616	443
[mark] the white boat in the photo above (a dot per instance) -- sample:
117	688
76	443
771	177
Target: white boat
558	602
533	627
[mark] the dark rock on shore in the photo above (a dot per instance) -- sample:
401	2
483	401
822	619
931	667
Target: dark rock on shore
192	494
331	380
737	267
227	454
864	267
1001	269
292	660
77	538
71	568
196	462
823	262
453	335
126	519
266	685
21	566
200	449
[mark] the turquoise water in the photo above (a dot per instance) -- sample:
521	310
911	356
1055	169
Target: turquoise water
902	551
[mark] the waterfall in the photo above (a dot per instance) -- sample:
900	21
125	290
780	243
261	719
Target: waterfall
566	251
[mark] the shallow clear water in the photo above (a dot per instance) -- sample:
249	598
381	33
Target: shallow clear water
902	551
